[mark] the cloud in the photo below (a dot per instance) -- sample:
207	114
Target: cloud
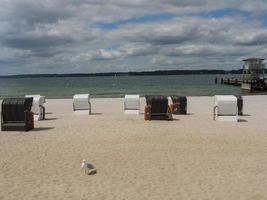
64	36
130	50
256	37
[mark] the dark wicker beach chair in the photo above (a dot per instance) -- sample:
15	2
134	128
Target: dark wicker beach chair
16	114
239	104
148	101
179	105
157	108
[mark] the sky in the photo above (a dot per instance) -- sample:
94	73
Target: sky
91	36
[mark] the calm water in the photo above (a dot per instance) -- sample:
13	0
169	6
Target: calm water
191	85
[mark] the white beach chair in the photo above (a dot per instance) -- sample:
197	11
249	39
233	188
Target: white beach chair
38	106
81	104
225	108
132	104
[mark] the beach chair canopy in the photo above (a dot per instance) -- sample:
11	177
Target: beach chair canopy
13	109
37	99
179	99
179	105
37	104
226	105
157	108
148	99
159	104
81	102
131	102
16	114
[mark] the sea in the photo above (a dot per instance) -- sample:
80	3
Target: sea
118	86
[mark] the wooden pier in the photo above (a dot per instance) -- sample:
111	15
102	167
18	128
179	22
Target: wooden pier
251	85
231	81
253	78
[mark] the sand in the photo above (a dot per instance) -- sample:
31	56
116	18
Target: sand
192	157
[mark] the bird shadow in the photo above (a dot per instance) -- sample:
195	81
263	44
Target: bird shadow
92	172
242	120
92	169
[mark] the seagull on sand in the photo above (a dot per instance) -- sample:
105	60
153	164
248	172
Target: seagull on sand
87	167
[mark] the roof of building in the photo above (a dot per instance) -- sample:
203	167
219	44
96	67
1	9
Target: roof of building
252	59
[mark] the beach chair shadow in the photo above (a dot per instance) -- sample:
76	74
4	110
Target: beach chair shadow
184	114
52	118
43	128
96	113
189	113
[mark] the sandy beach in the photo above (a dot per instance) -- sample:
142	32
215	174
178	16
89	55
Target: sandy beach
191	157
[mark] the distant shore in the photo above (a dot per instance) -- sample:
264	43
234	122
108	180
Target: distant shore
143	73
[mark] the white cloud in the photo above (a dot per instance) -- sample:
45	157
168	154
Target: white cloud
63	36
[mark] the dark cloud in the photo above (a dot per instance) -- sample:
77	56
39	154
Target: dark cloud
258	37
40	12
36	42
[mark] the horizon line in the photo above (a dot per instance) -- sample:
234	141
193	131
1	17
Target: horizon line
156	72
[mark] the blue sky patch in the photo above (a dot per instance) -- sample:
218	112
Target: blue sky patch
137	20
223	13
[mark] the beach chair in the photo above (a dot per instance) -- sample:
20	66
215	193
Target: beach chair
225	108
157	108
16	114
38	106
81	104
132	104
239	104
179	105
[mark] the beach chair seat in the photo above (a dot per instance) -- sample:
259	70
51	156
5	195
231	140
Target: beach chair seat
132	104
157	108
38	106
16	114
179	105
81	104
225	108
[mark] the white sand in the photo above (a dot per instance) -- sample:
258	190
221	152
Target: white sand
192	157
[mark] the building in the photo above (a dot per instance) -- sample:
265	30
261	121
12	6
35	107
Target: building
253	69
253	78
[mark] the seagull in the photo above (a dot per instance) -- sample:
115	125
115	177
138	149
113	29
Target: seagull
87	167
